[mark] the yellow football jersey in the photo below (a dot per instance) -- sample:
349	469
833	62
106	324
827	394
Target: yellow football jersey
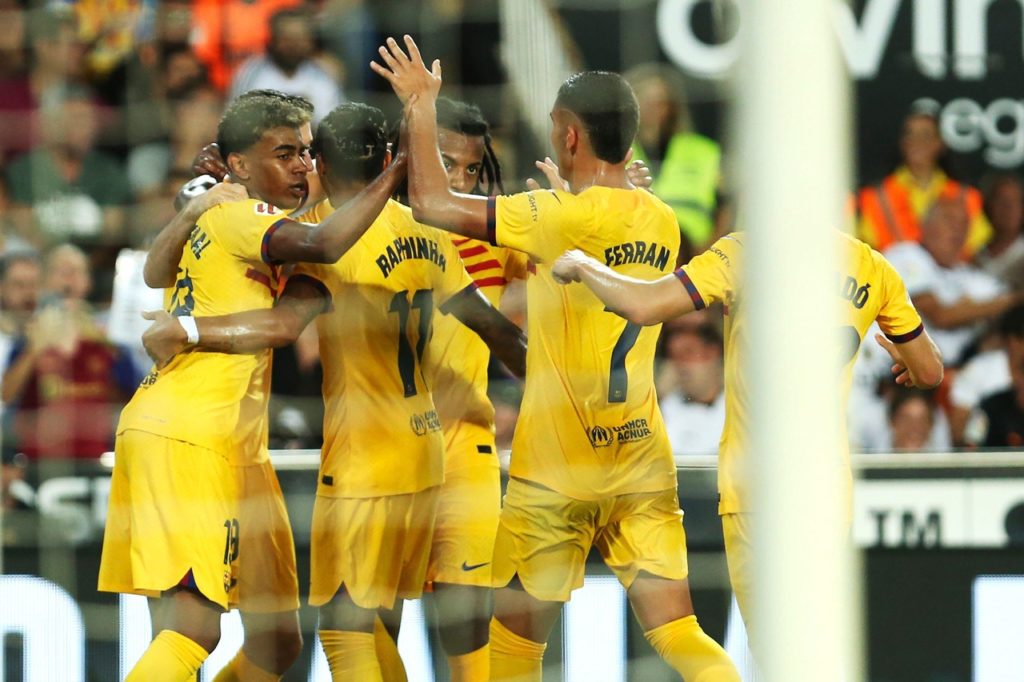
589	426
459	357
870	290
216	400
382	434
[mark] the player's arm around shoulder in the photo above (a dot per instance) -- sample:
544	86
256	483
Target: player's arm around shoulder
246	332
161	268
641	302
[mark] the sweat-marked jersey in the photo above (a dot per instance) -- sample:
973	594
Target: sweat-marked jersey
460	357
589	426
871	290
382	434
216	400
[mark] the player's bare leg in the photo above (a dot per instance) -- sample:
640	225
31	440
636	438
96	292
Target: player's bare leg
273	642
464	615
665	612
519	633
187	628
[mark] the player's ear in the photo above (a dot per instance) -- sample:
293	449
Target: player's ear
238	164
572	138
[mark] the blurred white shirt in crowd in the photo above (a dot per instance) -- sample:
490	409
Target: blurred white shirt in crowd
923	275
694	428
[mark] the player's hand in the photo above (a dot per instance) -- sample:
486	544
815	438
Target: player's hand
165	338
899	368
567	268
210	162
408	75
550	170
638	173
220	193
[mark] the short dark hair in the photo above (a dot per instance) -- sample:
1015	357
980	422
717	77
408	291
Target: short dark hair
247	118
606	105
289	13
902	395
297	100
467	119
353	139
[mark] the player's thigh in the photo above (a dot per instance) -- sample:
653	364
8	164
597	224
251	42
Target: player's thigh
467	522
644	534
376	548
543	539
173	514
267	576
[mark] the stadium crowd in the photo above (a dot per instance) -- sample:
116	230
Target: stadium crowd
107	109
104	106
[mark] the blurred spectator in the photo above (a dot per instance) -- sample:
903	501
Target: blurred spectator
288	65
694	412
12	39
1003	256
999	420
350	34
892	211
911	420
954	298
65	188
20	281
108	28
685	164
195	116
54	62
65	384
871	394
227	32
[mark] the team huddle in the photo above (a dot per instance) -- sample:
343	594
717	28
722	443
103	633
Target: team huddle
404	299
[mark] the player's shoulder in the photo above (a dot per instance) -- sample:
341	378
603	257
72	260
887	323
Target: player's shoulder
234	211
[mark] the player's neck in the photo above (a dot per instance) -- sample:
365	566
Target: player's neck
341	195
594	172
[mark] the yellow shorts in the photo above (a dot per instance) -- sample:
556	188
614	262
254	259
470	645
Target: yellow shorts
267	579
739	555
468	509
376	547
544	538
172	510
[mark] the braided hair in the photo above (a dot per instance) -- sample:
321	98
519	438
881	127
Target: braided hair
466	119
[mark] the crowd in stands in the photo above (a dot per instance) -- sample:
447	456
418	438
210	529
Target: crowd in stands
104	105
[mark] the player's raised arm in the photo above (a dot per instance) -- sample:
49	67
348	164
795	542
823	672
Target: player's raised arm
506	341
640	302
246	332
916	362
327	242
430	197
161	267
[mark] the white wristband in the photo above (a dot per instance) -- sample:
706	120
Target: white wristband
191	330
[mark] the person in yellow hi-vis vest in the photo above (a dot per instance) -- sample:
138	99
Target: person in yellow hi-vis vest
685	164
891	211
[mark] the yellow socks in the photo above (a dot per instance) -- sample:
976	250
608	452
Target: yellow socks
514	658
241	669
170	657
351	656
691	653
472	667
391	667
